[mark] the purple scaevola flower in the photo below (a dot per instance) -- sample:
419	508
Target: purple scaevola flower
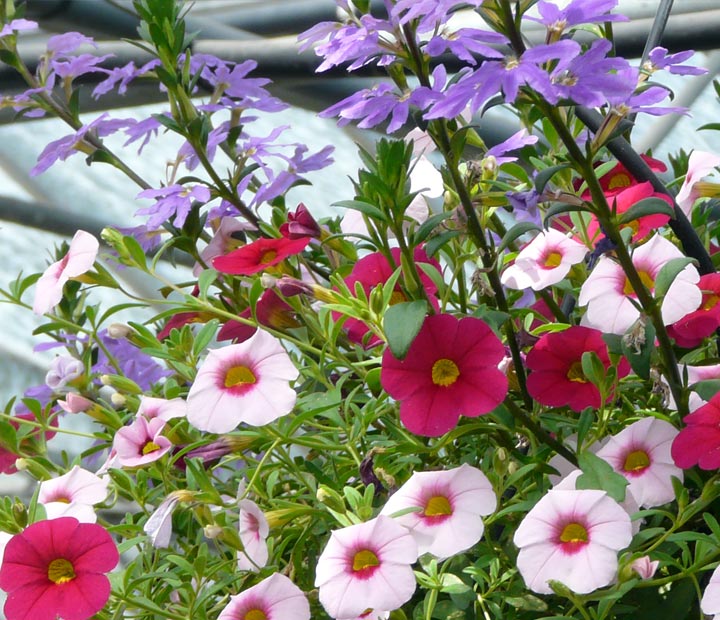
643	101
517	141
589	79
172	200
525	206
431	13
65	147
660	59
466	41
75	66
17	25
63	44
507	75
122	76
133	363
41	393
144	129
576	13
63	370
148	238
215	137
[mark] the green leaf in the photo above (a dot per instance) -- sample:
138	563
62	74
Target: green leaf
593	368
543	177
599	474
648	206
401	323
707	389
668	273
432	246
516	231
713	126
428	226
559	208
640	358
364	207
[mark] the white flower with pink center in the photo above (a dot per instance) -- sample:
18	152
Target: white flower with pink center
79	259
162	408
700	164
140	442
572	537
366	566
695	374
254	531
641	453
274	598
247	382
451	504
610	297
710	603
544	261
73	495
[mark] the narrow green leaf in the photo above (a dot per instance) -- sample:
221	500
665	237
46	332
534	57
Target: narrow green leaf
428	226
401	323
668	273
543	177
559	208
707	389
599	474
648	206
364	207
516	231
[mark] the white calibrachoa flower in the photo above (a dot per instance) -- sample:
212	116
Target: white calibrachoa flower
609	296
162	408
73	495
700	164
710	603
572	537
253	531
641	453
274	598
247	382
544	261
366	566
451	503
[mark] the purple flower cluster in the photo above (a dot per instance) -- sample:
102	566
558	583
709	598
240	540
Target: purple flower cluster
133	363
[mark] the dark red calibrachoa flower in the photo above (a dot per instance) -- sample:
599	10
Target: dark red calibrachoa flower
259	255
699	442
56	568
375	269
690	330
451	369
557	378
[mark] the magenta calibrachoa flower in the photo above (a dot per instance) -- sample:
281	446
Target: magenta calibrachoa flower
572	537
56	568
274	598
366	566
253	531
451	503
247	382
546	260
641	453
699	442
451	369
609	295
73	495
79	259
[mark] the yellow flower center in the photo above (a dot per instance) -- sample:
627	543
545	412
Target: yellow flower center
619	180
255	614
239	375
364	559
267	257
149	447
575	373
438	506
574	533
552	260
636	461
60	571
397	297
710	302
645	278
445	372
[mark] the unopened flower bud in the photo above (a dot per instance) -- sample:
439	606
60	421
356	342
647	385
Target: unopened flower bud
119	331
212	531
117	399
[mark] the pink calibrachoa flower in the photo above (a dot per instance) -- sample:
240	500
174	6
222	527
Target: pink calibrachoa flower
73	495
259	255
700	164
544	261
645	567
274	598
607	292
254	530
699	442
710	603
366	566
56	568
451	369
572	537
141	442
557	377
451	503
693	328
247	382
641	453
159	525
162	408
79	259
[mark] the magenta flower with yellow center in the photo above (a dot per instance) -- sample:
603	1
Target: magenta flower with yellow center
450	505
366	566
274	598
572	537
247	382
451	369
